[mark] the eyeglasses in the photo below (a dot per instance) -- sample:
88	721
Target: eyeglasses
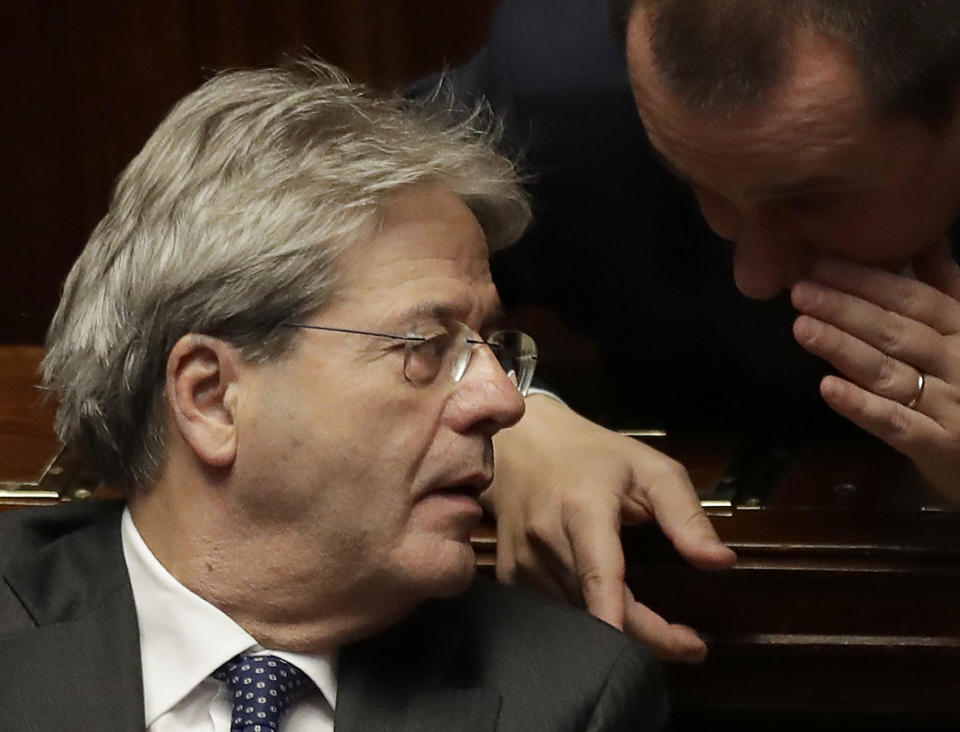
425	358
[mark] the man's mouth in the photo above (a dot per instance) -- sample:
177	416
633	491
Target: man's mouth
472	485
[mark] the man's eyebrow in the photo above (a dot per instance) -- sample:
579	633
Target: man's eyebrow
435	310
442	310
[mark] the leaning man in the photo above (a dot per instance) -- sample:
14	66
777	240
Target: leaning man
280	343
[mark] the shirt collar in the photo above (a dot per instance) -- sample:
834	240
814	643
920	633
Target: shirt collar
183	638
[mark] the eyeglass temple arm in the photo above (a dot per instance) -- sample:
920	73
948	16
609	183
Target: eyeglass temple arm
355	332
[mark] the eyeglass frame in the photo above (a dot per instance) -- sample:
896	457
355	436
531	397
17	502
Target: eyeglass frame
523	388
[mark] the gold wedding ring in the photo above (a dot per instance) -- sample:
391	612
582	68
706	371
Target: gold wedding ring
916	398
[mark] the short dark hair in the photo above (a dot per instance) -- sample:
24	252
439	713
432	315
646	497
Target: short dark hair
726	55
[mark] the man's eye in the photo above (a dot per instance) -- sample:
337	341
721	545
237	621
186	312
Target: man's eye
434	346
425	358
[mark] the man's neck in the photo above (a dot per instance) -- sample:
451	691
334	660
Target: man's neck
195	533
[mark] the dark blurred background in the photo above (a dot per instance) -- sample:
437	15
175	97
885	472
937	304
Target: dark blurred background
86	81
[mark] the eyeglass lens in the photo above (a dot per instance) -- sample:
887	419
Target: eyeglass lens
517	354
452	349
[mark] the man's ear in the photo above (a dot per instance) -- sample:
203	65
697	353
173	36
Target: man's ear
201	388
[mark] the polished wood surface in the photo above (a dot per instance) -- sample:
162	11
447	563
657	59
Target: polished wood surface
26	418
34	469
843	611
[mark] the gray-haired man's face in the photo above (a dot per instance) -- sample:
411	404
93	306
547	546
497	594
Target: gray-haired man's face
811	171
361	475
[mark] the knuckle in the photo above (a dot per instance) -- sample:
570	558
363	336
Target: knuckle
592	579
910	297
539	531
575	514
892	337
675	471
885	374
898	424
669	474
696	518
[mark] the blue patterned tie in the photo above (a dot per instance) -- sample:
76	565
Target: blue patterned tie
262	688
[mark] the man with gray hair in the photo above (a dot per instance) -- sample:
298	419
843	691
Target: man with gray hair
280	343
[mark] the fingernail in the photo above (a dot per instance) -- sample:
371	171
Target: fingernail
829	387
807	329
806	295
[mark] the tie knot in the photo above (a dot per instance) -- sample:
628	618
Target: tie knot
262	689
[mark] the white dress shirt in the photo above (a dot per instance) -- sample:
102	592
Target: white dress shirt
183	639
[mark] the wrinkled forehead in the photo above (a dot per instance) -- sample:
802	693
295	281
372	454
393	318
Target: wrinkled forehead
429	258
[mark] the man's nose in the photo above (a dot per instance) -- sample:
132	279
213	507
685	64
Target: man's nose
486	398
759	269
768	257
764	263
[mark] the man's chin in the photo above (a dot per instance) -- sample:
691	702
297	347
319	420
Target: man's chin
446	570
458	583
398	591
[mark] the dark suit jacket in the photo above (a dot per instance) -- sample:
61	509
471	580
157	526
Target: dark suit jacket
495	658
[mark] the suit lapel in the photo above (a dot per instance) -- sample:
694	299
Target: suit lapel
79	669
407	681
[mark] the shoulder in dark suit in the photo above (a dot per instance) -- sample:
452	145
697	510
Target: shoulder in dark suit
496	658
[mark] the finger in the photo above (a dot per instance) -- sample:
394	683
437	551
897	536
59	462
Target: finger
668	496
542	579
912	299
506	555
593	532
907	430
937	268
931	447
670	641
526	553
876	372
517	564
860	362
548	552
897	337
